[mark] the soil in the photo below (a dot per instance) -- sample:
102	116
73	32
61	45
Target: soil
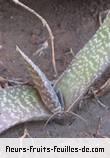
73	23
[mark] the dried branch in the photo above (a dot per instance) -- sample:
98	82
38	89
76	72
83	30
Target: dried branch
44	22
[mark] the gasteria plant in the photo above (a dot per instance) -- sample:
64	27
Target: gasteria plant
22	103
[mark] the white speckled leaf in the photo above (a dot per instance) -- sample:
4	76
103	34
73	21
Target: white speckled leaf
19	104
88	65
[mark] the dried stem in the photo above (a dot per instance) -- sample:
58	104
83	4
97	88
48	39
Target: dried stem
25	134
97	100
44	22
106	12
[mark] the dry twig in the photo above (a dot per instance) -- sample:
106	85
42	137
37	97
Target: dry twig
43	47
104	89
44	22
103	13
25	134
97	99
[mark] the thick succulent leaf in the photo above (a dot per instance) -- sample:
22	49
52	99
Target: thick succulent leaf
88	65
19	104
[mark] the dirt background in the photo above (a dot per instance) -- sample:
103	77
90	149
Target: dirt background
73	23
